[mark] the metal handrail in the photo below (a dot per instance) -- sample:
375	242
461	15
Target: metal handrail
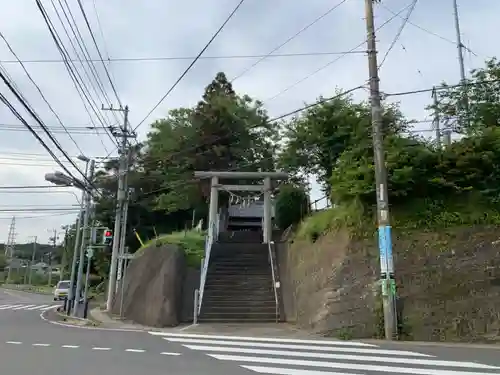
211	236
269	245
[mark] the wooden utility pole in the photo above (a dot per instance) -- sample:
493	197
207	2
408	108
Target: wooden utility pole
387	280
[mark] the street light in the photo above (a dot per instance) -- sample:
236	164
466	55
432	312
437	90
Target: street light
61	179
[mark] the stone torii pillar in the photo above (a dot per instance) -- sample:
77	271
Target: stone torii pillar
265	188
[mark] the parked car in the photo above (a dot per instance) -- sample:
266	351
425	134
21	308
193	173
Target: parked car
61	290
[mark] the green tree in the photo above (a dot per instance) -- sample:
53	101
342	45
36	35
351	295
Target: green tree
223	131
292	205
317	138
483	97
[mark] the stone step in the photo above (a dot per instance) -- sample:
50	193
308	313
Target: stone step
242	309
243	293
225	317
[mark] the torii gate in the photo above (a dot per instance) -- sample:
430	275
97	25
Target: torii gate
265	188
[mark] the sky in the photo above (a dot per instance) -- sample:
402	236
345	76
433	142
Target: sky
150	43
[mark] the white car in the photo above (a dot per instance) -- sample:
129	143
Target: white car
61	291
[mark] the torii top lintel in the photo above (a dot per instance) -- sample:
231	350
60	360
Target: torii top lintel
240	175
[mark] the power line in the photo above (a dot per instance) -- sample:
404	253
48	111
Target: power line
40	92
14	187
39	121
333	61
86	56
426	30
192	63
98	51
441	88
179	58
398	34
75	76
39	216
289	40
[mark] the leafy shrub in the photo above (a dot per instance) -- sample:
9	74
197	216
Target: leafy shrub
292	205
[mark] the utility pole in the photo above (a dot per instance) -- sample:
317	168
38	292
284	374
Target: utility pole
460	48
387	280
124	134
64	256
437	124
10	246
84	238
33	259
54	246
72	295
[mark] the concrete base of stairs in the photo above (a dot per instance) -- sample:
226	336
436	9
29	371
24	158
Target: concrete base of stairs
250	329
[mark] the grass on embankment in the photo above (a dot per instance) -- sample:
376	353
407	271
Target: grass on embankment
191	242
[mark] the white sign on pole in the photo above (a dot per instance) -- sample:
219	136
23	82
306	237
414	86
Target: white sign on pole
90	252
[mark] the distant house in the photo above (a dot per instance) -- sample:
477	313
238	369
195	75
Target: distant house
40	268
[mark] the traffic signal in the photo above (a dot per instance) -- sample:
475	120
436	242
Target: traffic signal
107	237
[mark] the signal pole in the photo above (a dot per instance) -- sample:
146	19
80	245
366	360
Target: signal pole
387	280
85	239
123	150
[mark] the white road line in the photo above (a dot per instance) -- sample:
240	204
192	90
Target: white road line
48	307
135	350
413	361
345	366
23	307
14	342
40	307
36	307
102	349
299	347
264	339
70	346
6	307
170	353
41	345
292	371
9	307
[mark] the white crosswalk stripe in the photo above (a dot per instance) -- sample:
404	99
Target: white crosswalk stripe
28	307
321	357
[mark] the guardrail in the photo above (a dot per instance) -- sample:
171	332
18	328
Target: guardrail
273	274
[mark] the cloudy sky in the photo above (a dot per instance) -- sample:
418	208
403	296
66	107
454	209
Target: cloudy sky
150	43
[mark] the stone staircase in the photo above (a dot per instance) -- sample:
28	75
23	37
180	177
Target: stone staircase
239	285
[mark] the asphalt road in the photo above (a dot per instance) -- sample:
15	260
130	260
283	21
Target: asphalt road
29	344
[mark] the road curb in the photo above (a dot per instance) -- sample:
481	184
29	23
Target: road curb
461	345
86	327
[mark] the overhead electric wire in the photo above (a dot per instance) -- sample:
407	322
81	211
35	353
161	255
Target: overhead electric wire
289	39
40	92
73	73
192	63
54	130
18	187
83	48
86	55
99	51
398	34
333	61
177	58
39	121
39	216
424	29
441	88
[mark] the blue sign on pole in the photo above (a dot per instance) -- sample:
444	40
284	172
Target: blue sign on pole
382	246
